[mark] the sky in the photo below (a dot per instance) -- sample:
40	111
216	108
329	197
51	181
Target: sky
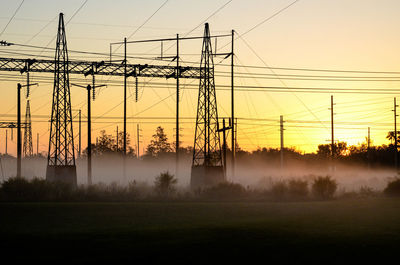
354	35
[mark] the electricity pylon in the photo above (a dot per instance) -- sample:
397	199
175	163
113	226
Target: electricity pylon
207	167
28	147
61	157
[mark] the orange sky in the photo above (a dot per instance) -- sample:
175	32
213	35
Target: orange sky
351	35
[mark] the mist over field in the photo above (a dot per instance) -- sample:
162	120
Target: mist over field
251	173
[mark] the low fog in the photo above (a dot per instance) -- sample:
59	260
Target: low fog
251	173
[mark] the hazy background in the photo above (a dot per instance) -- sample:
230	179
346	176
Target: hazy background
255	173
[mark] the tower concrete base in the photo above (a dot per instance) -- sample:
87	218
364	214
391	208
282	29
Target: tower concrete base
206	176
64	174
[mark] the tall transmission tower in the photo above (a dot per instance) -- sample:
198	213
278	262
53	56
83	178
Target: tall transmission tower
28	147
207	167
61	157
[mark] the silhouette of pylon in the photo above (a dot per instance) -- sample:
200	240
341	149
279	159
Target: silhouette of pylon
207	167
28	148
61	157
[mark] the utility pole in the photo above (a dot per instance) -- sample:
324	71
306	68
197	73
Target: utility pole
117	139
395	135
368	150
177	107
80	132
125	77
6	141
332	138
19	87
235	132
224	143
138	140
37	144
233	106
282	146
89	133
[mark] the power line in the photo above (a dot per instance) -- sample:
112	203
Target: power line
69	20
12	17
245	88
297	97
270	17
210	16
249	66
147	20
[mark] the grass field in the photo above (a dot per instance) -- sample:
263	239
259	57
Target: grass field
334	232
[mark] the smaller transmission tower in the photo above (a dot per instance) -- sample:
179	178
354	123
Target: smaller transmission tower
28	148
207	167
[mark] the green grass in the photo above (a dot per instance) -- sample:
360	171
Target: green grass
334	232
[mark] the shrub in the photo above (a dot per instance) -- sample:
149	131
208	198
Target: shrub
164	184
324	187
279	190
366	191
393	188
298	187
15	189
20	189
224	190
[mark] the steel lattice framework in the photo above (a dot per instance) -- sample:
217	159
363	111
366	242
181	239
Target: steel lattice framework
100	68
207	156
28	148
11	125
207	146
61	143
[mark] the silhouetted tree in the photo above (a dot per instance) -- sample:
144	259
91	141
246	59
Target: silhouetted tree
325	150
390	137
107	144
164	184
159	144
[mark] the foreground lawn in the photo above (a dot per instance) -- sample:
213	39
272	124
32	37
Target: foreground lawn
335	232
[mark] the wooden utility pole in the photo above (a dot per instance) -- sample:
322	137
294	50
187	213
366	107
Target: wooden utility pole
332	138
224	143
368	149
80	133
117	139
233	105
19	87
125	77
395	135
138	140
282	146
89	133
177	107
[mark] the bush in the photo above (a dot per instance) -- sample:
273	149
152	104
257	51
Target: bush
279	190
366	191
393	188
20	189
324	187
164	184
298	187
224	190
15	189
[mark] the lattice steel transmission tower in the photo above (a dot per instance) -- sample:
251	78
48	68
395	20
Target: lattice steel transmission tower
61	157
207	167
28	148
